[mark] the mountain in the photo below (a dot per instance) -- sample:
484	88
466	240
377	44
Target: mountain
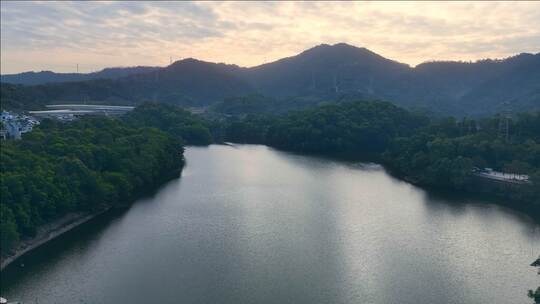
43	77
515	85
326	70
188	82
325	73
473	88
342	72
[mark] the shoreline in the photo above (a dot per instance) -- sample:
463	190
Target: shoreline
523	207
47	233
51	231
68	222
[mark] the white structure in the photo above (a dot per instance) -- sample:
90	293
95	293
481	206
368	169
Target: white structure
502	176
71	111
91	107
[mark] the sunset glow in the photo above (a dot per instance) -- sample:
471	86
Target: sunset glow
101	34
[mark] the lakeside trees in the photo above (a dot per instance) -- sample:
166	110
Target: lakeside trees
90	164
437	153
95	162
444	153
83	166
363	128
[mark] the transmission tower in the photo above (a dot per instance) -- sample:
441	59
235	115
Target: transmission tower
504	121
336	88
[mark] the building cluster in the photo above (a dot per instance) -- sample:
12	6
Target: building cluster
14	125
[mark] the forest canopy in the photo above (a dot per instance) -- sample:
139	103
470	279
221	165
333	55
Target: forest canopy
439	153
84	166
174	120
98	162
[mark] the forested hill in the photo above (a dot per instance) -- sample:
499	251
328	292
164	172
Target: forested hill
325	73
175	121
344	72
90	164
188	82
84	166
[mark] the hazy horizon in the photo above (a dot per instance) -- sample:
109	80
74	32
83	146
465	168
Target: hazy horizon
180	59
56	36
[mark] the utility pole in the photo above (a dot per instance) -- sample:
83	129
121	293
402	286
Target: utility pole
504	121
336	88
507	128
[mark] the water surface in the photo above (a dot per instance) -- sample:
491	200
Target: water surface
248	224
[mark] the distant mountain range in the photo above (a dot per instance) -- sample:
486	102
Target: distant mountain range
325	73
43	77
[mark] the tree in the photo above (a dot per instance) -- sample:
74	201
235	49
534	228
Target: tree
9	235
535	295
83	166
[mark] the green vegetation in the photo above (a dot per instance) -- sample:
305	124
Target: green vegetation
250	104
173	120
443	153
535	295
83	166
350	128
90	164
17	97
253	104
94	163
353	129
439	153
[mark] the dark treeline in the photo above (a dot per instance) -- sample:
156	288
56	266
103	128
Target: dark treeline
262	104
83	166
174	120
435	153
443	153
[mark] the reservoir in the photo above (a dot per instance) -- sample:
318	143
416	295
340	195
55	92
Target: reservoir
250	224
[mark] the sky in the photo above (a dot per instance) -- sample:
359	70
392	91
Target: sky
46	35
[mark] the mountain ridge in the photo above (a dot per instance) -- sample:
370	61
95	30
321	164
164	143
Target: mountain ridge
340	44
329	73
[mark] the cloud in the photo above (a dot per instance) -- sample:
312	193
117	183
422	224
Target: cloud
58	35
